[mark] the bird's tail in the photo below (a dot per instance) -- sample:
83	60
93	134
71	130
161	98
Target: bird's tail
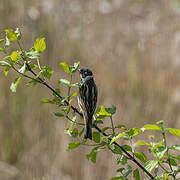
88	129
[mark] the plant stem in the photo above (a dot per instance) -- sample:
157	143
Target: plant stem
112	126
167	153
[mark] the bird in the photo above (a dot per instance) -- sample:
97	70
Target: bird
87	99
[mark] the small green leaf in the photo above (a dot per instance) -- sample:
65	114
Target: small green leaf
128	171
160	151
14	84
7	44
142	143
44	101
77	85
173	162
40	45
1	49
92	156
120	170
32	54
152	127
150	165
102	112
47	71
11	35
116	150
8	58
73	145
122	160
7	70
111	110
58	114
74	94
133	132
136	174
96	137
16	56
64	81
74	132
23	68
175	147
141	156
173	131
4	63
75	67
1	40
18	33
127	148
117	137
65	67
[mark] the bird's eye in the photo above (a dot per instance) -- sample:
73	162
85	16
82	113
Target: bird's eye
85	73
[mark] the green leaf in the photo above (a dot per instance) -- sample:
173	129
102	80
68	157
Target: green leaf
152	127
133	132
73	145
58	114
142	143
4	63
1	49
74	94
150	165
40	45
44	101
173	162
32	54
46	71
14	84
160	151
136	174
1	40
141	156
173	131
23	68
120	170
122	160
8	58
18	33
7	44
77	85
96	137
117	137
74	132
15	56
92	156
117	178
75	67
127	148
128	171
11	35
64	81
111	110
102	112
7	70
175	147
65	67
116	150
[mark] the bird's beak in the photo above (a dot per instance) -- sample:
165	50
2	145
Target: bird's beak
79	70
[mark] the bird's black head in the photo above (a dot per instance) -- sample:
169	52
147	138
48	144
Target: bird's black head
84	72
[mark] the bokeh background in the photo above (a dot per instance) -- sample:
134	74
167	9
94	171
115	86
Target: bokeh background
133	48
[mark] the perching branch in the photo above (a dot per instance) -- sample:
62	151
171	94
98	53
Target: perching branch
95	126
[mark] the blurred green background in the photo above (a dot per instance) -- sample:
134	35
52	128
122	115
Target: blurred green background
133	48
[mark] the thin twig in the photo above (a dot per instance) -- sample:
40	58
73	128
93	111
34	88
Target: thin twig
79	113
